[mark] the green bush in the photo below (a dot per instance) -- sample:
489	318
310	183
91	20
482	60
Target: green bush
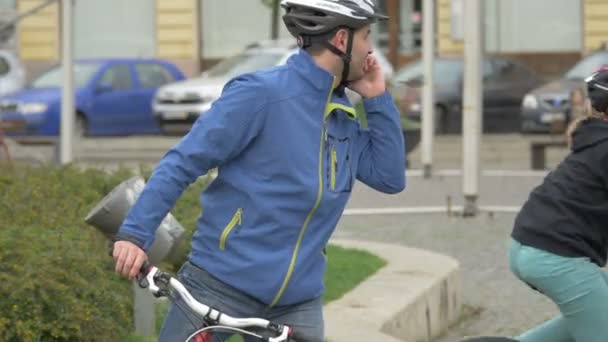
56	278
57	285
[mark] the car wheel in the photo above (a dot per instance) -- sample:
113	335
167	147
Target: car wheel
81	127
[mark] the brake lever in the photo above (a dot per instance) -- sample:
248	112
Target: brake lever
146	279
283	337
143	282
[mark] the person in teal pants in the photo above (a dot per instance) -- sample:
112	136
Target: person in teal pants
560	236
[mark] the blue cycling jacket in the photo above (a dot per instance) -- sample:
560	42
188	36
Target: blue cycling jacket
288	149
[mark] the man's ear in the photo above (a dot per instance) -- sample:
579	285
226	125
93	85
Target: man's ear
340	39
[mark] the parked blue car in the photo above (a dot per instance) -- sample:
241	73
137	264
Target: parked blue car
113	97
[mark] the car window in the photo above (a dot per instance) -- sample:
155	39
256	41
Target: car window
54	77
244	63
4	66
503	69
587	66
153	75
522	70
512	70
118	77
503	66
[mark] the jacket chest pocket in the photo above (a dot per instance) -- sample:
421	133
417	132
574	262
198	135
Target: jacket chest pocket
339	174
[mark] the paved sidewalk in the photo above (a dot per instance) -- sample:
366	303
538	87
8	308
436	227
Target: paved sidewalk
494	301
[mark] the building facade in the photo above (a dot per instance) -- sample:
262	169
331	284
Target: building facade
548	34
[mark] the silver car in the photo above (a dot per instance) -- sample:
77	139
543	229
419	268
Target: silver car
12	73
177	105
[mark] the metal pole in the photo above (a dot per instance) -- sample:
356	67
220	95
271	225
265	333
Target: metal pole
144	311
67	98
472	108
428	98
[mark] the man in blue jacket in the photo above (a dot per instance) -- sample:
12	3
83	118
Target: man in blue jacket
288	146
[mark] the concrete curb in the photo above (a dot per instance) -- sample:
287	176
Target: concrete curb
414	298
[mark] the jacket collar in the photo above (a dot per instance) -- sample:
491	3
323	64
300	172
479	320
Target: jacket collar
318	77
321	80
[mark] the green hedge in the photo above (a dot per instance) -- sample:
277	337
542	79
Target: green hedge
56	277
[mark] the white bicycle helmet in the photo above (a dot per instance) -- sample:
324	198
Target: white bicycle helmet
316	21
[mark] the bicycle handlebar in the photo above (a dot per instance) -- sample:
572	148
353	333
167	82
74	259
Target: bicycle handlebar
159	283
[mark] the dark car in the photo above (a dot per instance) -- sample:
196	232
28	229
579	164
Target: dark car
505	82
549	104
113	96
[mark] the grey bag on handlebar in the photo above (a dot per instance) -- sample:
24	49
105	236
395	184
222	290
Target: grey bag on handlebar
108	215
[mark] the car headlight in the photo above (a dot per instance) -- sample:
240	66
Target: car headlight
206	106
32	108
530	102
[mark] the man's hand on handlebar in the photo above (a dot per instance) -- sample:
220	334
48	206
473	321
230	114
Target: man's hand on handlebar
129	259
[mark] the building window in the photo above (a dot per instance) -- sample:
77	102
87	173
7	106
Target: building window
514	26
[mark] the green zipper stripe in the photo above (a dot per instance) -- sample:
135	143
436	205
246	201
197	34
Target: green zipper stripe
236	219
334	162
294	255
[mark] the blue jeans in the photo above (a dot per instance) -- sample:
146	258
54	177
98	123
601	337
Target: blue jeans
306	318
578	287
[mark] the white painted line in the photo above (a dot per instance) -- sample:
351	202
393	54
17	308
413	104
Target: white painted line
444	173
500	208
485	173
406	210
425	210
514	173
